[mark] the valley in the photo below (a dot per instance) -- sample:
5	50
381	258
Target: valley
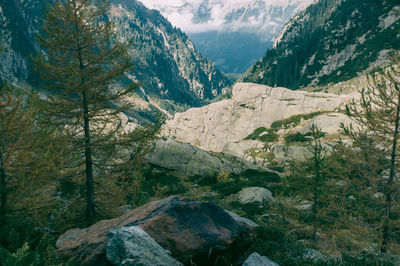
257	133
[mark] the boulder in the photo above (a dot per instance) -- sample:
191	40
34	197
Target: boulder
314	255
283	152
256	259
255	195
240	219
190	230
131	245
304	205
192	161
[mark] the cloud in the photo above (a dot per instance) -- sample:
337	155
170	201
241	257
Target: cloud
181	13
194	16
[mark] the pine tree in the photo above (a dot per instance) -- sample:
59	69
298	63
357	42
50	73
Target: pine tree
316	163
81	68
377	115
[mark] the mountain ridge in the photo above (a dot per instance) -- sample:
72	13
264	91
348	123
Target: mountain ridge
233	34
166	63
331	41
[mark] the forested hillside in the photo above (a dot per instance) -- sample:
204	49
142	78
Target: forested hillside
331	41
166	62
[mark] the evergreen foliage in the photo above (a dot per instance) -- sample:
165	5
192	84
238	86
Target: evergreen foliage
331	41
80	68
377	115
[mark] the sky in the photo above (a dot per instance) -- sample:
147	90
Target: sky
181	13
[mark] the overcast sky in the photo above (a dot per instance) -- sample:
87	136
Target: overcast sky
181	15
181	12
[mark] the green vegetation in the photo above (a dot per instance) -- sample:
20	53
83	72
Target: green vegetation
308	45
293	120
380	115
296	137
81	63
263	134
256	134
269	135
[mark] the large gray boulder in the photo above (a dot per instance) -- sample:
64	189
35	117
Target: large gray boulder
255	195
198	232
256	259
192	161
132	246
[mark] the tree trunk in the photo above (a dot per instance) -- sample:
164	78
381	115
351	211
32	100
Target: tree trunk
315	215
3	190
90	205
390	182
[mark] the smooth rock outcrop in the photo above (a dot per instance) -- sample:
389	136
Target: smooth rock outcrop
328	123
252	106
132	246
255	195
256	259
192	161
190	230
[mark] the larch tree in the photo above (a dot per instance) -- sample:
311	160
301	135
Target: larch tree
15	124
377	116
27	160
81	69
316	163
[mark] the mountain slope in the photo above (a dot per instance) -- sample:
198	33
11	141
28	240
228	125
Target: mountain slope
235	33
166	62
331	41
19	22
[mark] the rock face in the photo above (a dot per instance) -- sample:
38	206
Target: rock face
217	126
330	42
234	34
197	231
192	161
256	259
166	62
132	246
255	195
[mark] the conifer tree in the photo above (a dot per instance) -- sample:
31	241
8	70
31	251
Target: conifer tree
80	69
316	163
307	178
15	123
377	116
27	164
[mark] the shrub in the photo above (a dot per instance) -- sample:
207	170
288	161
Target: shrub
269	137
296	137
256	134
293	120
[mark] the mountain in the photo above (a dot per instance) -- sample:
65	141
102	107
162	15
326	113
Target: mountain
331	41
19	22
166	63
233	34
